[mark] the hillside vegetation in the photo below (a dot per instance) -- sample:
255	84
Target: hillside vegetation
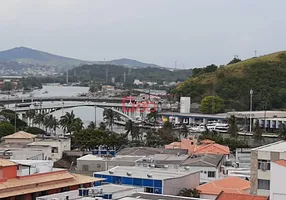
266	75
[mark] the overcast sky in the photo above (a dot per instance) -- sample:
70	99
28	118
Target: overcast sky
193	33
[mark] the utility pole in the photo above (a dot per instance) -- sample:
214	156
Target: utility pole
175	64
106	74
250	117
255	53
124	77
67	80
94	116
15	120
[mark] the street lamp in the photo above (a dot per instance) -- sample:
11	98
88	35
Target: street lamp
251	94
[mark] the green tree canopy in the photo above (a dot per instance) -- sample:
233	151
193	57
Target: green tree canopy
212	104
6	129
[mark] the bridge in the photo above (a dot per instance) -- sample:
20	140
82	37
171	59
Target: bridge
124	110
14	100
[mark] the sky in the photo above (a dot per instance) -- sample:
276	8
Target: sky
192	33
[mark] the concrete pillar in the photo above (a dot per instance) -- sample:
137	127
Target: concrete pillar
205	121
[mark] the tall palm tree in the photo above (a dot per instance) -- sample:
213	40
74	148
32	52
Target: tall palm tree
77	125
109	115
184	130
66	121
189	193
232	123
282	133
131	128
30	115
257	136
39	119
54	125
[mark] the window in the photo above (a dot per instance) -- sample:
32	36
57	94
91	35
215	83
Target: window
85	168
22	197
55	150
149	190
263	184
64	189
211	174
264	164
43	193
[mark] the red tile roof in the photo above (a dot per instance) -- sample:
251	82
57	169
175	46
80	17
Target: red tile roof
232	196
281	162
229	184
212	149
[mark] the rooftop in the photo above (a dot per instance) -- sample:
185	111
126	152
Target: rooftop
232	196
281	162
279	146
206	160
149	196
118	191
42	182
20	135
126	158
6	163
143	172
164	159
229	184
140	151
212	148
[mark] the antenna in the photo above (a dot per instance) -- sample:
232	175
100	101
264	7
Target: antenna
255	53
67	76
175	64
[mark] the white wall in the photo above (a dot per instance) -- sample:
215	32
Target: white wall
204	173
93	165
207	196
175	185
277	182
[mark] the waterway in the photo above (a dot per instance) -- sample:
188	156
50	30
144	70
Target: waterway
86	113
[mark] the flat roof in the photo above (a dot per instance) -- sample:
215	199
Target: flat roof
149	196
141	172
196	115
279	146
108	188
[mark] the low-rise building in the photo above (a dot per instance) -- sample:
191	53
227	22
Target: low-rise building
148	196
153	180
30	179
108	191
210	166
20	137
235	196
212	189
261	161
58	146
162	161
278	176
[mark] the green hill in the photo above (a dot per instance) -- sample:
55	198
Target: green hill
266	75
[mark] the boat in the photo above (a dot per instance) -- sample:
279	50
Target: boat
82	95
46	92
221	127
20	105
198	129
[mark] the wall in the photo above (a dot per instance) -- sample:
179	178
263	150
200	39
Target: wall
9	172
277	183
204	173
208	196
41	153
175	185
92	165
18	141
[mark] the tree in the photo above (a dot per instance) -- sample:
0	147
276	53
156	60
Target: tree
257	136
234	60
152	116
189	193
91	125
232	129
35	131
40	119
102	126
30	114
109	116
6	129
184	130
67	122
282	132
7	86
212	104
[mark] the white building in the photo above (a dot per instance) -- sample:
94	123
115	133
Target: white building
277	182
208	165
30	167
261	163
58	146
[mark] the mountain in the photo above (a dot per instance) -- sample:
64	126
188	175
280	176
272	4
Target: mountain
31	56
264	74
35	57
131	63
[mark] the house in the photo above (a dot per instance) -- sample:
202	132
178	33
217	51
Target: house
212	189
30	179
210	166
261	161
193	147
20	137
58	146
278	176
148	196
235	196
162	161
153	180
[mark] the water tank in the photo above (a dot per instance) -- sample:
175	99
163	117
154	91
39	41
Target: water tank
185	104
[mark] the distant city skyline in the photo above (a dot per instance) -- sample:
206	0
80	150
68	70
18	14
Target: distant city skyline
190	33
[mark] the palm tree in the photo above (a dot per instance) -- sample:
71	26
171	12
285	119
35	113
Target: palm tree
66	121
131	128
152	116
189	193
30	115
39	119
54	125
102	126
184	130
282	133
91	125
109	117
77	125
232	123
